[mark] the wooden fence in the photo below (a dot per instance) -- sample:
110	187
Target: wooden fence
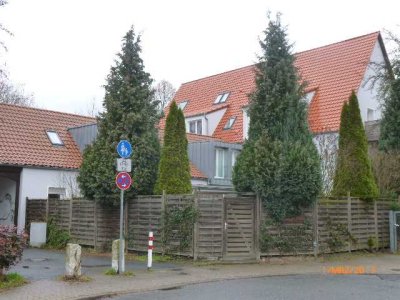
332	225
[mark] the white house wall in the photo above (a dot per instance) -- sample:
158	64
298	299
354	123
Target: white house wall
35	184
209	121
367	96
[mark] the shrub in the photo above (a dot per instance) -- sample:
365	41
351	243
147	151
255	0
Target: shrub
12	244
56	238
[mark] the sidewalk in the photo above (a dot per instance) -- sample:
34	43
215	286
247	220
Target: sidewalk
173	275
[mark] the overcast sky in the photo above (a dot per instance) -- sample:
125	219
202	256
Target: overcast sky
62	50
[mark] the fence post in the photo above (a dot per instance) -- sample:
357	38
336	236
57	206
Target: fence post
257	223
195	226
95	223
315	231
47	208
162	231
376	223
349	218
70	216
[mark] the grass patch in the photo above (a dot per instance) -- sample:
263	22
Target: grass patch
112	272
12	280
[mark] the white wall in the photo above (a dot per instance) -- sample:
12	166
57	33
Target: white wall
367	97
199	182
7	186
35	184
210	121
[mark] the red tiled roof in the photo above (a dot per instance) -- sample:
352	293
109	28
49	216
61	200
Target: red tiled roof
24	142
333	71
195	172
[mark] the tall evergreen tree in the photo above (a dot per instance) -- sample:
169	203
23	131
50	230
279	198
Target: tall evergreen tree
174	170
131	114
353	172
279	160
390	92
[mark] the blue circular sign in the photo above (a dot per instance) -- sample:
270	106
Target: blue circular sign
124	149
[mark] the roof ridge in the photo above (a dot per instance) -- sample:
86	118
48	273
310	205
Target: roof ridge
339	42
218	74
297	53
46	110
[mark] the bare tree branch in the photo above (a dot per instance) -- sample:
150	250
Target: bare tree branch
164	92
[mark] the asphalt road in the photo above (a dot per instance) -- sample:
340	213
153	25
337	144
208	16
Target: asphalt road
284	287
39	264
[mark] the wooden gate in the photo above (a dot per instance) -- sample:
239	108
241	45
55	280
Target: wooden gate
240	218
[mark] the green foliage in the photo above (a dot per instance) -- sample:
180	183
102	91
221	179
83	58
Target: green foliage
177	226
372	243
395	206
390	123
353	172
56	238
11	280
279	161
174	170
289	238
131	114
339	235
12	244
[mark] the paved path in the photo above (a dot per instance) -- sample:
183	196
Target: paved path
169	276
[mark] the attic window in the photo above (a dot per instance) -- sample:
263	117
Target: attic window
230	123
308	97
182	105
54	138
221	98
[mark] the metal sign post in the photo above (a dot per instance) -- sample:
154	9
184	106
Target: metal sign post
123	181
121	260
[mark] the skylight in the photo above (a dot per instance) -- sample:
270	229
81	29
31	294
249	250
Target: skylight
54	138
230	123
308	97
221	98
182	105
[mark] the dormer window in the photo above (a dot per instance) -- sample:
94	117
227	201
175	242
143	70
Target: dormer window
182	105
230	123
308	97
54	138
221	98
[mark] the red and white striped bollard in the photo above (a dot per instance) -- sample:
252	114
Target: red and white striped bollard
150	250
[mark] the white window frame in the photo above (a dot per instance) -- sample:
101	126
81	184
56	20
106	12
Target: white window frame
54	138
198	126
183	104
220	158
221	98
230	123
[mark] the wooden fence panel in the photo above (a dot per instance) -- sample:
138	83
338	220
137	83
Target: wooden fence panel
144	214
209	228
94	225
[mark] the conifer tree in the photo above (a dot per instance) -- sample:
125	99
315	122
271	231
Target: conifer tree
130	114
353	172
279	160
174	170
390	92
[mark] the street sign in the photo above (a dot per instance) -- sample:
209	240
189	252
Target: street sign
123	181
124	165
124	149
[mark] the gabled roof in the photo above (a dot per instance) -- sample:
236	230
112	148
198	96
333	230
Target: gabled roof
332	71
24	141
